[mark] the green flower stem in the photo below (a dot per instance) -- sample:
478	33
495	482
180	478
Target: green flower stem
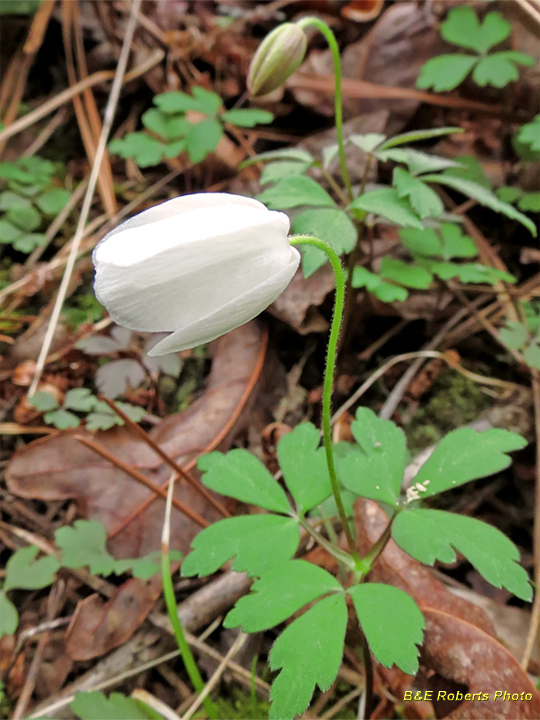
330	547
332	44
329	377
183	645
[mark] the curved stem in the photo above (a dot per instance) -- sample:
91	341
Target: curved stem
338	103
329	377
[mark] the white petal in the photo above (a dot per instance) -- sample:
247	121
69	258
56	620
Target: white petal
190	280
238	311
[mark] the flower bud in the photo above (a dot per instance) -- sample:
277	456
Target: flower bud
196	266
277	57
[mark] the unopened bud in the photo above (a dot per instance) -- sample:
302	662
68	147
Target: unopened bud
277	57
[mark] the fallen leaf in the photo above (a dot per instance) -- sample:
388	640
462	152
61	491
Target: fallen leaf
297	304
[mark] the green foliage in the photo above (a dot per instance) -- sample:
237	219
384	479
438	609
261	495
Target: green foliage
81	545
19	7
462	28
525	336
96	706
99	417
295	191
24	571
387	203
169	132
430	535
29	197
333	226
374	604
309	653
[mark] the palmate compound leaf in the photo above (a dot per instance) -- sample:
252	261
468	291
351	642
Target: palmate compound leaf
309	652
256	542
279	593
429	535
304	466
392	643
384	291
445	72
463	28
84	543
238	474
465	455
375	468
500	68
24	571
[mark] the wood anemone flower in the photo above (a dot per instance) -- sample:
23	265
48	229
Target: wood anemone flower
196	266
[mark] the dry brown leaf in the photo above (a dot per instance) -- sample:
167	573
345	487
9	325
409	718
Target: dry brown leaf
298	302
59	467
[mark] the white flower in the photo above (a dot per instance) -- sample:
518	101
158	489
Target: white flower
196	266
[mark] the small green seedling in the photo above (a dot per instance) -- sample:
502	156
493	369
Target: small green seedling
180	123
525	336
463	28
32	196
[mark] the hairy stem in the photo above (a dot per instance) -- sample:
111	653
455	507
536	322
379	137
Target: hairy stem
338	104
329	377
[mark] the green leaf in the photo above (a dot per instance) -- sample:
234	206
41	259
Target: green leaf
84	543
26	218
309	651
530	202
143	149
418	161
43	401
509	194
52	201
406	274
240	475
429	535
10	199
280	592
9	617
421	242
531	355
80	399
19	7
243	538
201	100
329	224
295	191
416	135
276	171
529	134
95	706
173	149
471	169
455	244
467	273
463	28
424	200
445	72
62	419
500	68
304	466
465	455
24	571
387	203
483	196
28	242
368	142
374	468
202	139
166	126
374	604
296	154
385	292
247	117
514	335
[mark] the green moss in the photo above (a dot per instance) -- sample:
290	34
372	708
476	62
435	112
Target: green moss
454	400
240	705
